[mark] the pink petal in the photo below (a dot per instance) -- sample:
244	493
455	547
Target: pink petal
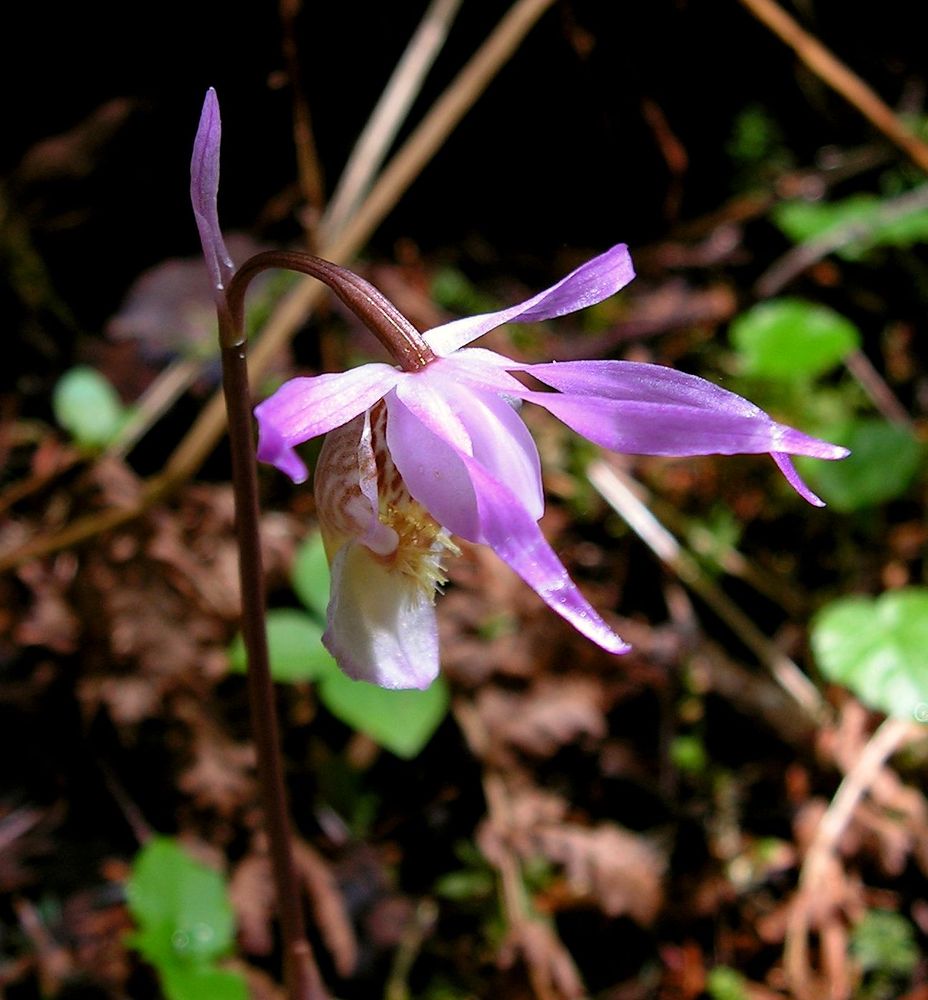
516	538
306	407
474	423
470	500
590	283
795	480
204	188
652	410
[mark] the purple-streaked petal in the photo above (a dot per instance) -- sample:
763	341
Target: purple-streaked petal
204	188
432	471
795	480
306	407
516	538
345	486
481	369
381	627
484	426
651	410
639	428
635	380
590	283
467	498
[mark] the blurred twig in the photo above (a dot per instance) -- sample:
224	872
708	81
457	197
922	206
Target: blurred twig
805	255
816	867
616	491
293	310
389	114
154	402
309	171
840	78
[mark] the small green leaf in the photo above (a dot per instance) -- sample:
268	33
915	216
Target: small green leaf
181	982
294	645
400	721
185	922
792	339
724	983
88	407
311	575
865	218
883	462
878	648
885	942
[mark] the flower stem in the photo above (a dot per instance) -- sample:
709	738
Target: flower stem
383	319
301	975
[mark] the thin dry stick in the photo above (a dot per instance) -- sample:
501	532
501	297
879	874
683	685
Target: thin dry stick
154	402
848	84
887	739
876	387
296	306
615	490
513	893
307	159
389	114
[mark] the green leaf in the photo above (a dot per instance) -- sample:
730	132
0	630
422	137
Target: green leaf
400	721
792	339
294	646
181	982
311	575
87	407
185	922
885	942
873	226
724	983
879	649
883	462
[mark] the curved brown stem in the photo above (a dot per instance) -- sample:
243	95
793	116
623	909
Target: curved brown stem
383	319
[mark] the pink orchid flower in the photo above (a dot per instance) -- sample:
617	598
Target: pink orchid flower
412	458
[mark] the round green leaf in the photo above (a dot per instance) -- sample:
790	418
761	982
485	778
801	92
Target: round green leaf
792	339
182	982
87	407
294	645
400	721
181	906
863	218
879	649
311	575
883	462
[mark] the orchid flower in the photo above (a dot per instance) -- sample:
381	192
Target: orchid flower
412	458
415	455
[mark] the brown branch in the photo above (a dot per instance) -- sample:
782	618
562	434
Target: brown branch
840	78
309	170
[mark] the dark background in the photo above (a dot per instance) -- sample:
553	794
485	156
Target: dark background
557	152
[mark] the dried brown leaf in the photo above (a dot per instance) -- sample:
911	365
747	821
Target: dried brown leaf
553	713
221	774
329	907
549	964
49	621
251	892
620	870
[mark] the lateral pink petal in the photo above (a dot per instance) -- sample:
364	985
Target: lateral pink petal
432	470
590	283
306	407
516	538
468	422
642	428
